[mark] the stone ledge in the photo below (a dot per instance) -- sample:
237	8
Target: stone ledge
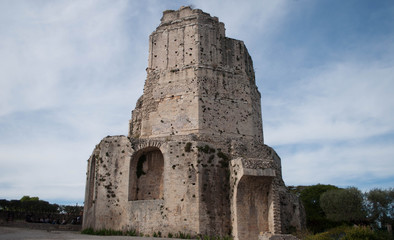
269	172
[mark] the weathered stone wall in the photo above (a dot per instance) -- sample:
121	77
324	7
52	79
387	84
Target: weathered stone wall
194	160
195	188
255	184
292	212
107	178
229	99
198	80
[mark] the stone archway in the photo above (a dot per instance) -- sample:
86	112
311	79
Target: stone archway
146	175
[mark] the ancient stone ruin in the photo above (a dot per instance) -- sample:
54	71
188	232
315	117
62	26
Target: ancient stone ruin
194	160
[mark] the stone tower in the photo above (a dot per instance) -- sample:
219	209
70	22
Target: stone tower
195	160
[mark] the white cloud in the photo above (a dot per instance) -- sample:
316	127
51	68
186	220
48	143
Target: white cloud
71	72
44	168
362	165
343	102
335	126
256	17
54	53
66	81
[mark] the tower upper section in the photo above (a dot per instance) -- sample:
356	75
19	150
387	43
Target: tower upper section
198	82
177	41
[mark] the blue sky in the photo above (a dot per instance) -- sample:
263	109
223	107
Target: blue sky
71	72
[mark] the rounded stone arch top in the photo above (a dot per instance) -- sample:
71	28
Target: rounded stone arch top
140	151
145	145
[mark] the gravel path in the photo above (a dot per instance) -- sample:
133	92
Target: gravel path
12	233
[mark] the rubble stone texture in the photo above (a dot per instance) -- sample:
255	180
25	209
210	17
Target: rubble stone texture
194	160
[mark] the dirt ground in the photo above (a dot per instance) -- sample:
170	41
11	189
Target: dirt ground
14	233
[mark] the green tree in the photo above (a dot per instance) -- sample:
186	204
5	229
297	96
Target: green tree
29	204
344	205
380	205
4	204
73	210
28	198
316	220
34	204
296	190
15	205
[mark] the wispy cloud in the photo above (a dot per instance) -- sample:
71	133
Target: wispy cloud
66	80
71	72
53	52
335	126
344	102
364	165
258	17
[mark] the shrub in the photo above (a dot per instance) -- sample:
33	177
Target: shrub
89	231
359	233
158	234
206	149
223	156
140	166
131	233
108	232
188	147
183	235
350	233
334	233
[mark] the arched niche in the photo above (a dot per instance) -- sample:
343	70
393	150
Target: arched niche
253	206
146	174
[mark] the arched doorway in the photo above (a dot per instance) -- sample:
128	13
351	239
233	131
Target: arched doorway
146	175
